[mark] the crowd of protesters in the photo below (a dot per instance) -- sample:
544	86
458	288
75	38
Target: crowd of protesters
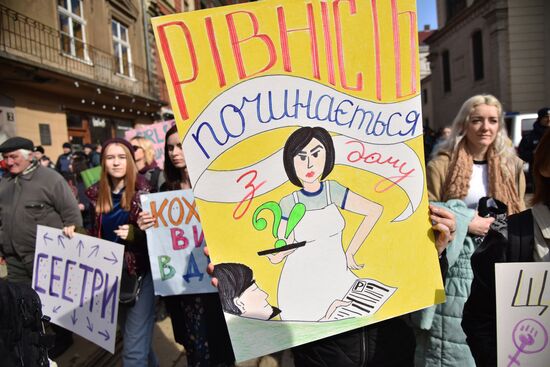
475	180
32	192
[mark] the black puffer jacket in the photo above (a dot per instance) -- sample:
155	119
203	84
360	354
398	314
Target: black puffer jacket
389	343
479	318
530	141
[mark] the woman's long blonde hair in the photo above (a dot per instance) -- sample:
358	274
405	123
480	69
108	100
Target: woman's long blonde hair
502	144
104	200
147	146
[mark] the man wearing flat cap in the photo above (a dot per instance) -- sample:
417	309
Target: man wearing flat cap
31	194
530	141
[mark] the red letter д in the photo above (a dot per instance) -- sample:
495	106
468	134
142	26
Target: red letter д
174	78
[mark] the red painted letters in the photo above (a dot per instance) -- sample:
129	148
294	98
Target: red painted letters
252	186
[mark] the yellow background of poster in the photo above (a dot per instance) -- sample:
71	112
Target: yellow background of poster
400	254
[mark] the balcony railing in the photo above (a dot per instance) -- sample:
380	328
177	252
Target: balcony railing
22	37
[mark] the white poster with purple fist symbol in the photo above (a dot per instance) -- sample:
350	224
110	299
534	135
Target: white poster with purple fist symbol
523	317
78	281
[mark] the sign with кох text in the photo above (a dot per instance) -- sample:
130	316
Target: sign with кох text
523	315
176	244
78	281
301	125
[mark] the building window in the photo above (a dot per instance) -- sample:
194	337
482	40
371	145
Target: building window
477	52
206	4
454	7
445	60
45	134
72	26
121	45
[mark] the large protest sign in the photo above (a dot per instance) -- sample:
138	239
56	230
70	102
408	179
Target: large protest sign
155	133
301	126
176	244
78	281
523	318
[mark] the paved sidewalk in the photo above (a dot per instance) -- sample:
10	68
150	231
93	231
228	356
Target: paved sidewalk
170	354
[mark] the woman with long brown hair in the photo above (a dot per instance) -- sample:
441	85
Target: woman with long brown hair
116	203
197	319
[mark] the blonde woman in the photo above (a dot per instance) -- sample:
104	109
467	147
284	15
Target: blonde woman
476	161
144	154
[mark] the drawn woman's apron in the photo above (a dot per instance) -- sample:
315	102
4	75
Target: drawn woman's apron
315	275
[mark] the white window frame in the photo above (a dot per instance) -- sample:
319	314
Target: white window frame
74	18
119	44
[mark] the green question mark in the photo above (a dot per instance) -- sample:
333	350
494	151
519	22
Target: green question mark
296	214
260	223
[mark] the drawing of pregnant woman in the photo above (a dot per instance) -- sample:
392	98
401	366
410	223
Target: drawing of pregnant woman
317	274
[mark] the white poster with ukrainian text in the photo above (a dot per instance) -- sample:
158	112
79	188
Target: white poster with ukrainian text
523	318
176	243
78	281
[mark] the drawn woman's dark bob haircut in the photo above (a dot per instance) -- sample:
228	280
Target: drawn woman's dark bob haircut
297	141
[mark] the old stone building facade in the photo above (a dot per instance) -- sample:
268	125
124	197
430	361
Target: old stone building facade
500	47
82	71
74	70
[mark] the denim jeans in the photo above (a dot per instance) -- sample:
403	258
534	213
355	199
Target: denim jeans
136	323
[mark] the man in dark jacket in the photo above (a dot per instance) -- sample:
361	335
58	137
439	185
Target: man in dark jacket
41	157
93	157
64	160
530	141
31	194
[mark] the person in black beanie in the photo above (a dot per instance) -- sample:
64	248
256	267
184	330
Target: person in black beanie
92	156
529	143
41	157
